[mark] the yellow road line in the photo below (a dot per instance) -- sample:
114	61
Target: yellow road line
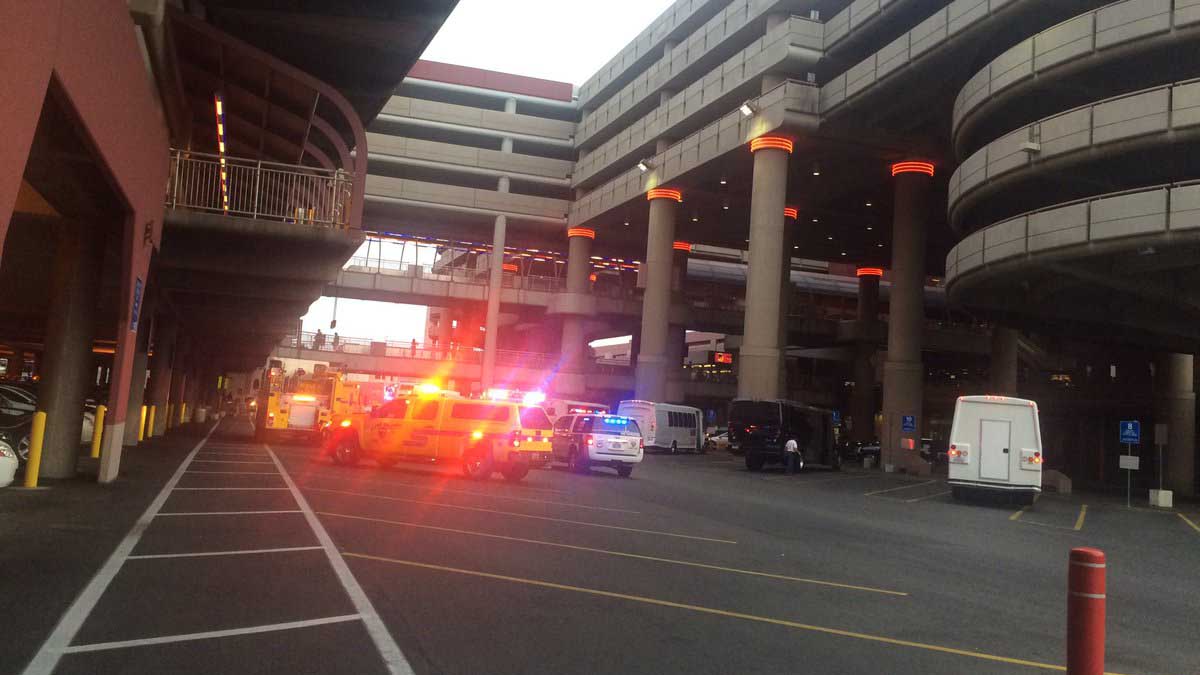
622	554
475	494
1018	514
902	487
519	515
1082	515
1187	520
720	612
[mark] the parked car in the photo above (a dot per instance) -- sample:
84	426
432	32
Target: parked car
717	440
8	464
584	441
18	402
857	451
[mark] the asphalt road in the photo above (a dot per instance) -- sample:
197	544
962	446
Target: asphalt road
693	566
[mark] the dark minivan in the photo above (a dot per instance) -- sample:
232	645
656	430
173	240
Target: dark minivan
790	433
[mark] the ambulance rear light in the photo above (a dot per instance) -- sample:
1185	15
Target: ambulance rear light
476	435
345	423
516	439
958	454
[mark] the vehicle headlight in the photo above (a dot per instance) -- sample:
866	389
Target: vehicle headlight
6	450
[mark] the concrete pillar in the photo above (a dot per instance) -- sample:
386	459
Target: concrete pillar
1175	406
16	363
491	338
862	402
761	356
165	335
179	378
785	296
137	382
650	378
1004	361
579	269
68	355
903	371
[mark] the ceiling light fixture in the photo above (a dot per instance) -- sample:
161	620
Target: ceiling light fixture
816	170
643	166
747	109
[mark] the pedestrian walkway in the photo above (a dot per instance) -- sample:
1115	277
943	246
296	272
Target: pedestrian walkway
228	570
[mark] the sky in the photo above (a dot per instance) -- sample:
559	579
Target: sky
563	40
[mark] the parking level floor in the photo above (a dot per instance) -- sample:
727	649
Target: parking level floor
268	558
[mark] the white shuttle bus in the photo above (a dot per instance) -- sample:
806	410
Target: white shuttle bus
665	426
995	448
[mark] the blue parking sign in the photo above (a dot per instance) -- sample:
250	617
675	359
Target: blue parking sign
837	417
908	424
1131	432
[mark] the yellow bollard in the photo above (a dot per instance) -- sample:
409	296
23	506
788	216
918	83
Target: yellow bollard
142	426
34	464
170	416
98	430
150	421
182	412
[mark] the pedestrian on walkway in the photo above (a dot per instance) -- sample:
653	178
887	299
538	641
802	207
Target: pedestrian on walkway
414	348
337	347
318	340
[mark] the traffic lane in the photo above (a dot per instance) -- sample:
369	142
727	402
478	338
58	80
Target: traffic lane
179	596
531	628
836	608
318	650
210	499
212	533
241	479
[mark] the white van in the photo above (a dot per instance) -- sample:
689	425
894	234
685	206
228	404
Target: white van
665	426
995	448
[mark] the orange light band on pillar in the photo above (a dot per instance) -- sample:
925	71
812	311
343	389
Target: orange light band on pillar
219	107
664	193
791	212
581	232
912	167
772	143
682	246
509	267
592	276
870	272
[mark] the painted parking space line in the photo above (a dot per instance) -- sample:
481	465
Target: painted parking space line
237	489
51	651
225	513
1019	513
209	635
621	554
1082	515
895	489
1191	523
425	502
226	461
721	612
207	554
817	481
386	645
237	473
921	499
472	493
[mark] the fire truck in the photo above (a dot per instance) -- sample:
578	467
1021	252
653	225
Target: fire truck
304	404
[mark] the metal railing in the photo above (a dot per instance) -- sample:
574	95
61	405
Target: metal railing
261	190
426	351
466	275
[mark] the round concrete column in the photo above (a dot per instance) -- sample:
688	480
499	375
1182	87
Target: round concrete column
579	269
1004	361
1175	406
761	356
903	371
650	378
491	336
862	402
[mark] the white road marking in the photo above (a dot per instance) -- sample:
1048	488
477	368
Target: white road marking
208	635
918	499
47	657
206	554
223	513
240	473
251	489
902	487
384	642
226	461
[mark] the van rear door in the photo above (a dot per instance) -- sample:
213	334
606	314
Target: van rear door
995	440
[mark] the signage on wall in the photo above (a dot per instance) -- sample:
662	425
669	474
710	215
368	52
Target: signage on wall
722	357
137	304
1131	432
908	424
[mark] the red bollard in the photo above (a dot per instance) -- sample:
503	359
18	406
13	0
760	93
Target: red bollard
1085	612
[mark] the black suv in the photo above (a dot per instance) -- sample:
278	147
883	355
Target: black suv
790	433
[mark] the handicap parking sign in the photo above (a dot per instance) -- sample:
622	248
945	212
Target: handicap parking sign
908	424
1131	432
837	417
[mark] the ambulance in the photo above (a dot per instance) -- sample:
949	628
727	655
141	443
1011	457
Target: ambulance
995	448
480	436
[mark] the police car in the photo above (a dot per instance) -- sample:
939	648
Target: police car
585	441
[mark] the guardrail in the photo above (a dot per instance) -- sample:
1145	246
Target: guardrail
259	190
426	351
466	275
